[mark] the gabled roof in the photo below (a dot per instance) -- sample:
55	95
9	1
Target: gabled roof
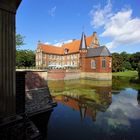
72	47
50	49
100	51
89	40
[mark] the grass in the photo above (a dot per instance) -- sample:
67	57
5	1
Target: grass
126	74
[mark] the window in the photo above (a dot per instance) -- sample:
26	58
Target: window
93	64
103	63
50	56
110	63
44	55
44	62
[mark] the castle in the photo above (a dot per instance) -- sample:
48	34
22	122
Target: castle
85	54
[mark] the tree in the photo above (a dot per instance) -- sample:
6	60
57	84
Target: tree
125	56
134	60
25	58
126	65
117	61
19	40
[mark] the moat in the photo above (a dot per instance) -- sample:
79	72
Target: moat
94	110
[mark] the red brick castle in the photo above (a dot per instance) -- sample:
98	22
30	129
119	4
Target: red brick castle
86	55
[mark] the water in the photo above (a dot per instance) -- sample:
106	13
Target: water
93	110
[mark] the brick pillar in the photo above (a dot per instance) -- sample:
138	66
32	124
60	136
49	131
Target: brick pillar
7	57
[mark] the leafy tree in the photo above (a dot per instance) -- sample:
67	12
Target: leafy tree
117	61
134	60
127	65
125	56
19	40
25	58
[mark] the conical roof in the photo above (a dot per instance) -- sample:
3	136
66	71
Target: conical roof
83	42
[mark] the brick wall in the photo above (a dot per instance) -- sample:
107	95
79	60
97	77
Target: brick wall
99	68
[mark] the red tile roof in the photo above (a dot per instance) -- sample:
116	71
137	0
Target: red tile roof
73	47
50	49
89	40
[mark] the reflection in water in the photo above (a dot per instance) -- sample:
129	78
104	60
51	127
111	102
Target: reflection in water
99	101
93	110
82	96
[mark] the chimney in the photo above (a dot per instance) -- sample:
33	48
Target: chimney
94	33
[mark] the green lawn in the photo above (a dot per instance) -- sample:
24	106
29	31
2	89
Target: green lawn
126	74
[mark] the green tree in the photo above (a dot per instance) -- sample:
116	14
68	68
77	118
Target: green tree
127	65
117	61
25	58
19	40
125	56
134	60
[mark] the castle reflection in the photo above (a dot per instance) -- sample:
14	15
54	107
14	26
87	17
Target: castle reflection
87	97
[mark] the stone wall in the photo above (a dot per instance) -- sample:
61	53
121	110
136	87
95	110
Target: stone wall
58	74
96	75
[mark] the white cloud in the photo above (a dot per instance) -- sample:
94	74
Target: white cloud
121	27
99	16
60	43
47	43
52	11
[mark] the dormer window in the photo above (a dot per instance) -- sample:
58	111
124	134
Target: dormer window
66	51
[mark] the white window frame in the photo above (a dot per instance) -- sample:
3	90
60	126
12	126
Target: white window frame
93	64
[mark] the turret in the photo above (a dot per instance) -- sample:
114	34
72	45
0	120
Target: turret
83	45
83	51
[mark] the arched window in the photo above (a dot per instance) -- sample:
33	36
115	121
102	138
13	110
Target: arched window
93	64
103	63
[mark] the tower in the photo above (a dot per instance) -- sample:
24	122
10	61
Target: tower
83	51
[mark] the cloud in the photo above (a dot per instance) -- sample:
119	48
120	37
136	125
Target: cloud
99	15
47	43
60	43
121	27
52	11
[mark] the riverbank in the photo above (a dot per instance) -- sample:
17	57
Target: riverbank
126	74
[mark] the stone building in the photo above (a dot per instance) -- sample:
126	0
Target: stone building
85	54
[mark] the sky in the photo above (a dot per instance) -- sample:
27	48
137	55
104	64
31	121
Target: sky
117	22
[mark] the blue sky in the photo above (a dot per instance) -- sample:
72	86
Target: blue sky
117	22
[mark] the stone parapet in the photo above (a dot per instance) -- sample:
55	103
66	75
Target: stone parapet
77	74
